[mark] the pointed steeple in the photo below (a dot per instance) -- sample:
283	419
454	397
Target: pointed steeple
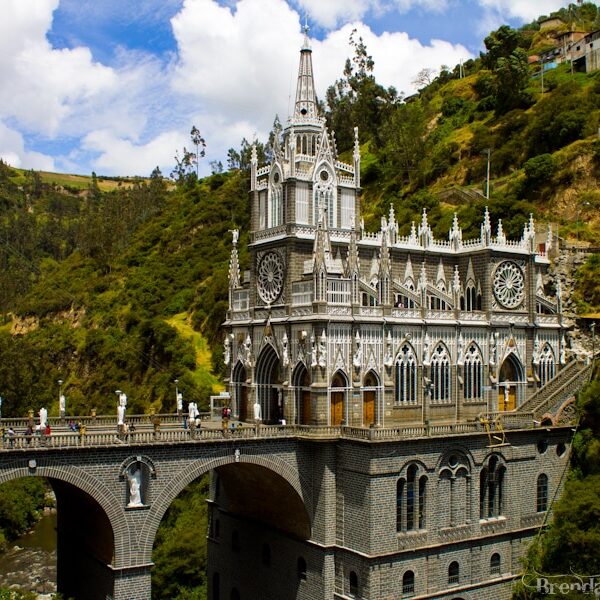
455	234
234	265
440	280
500	237
409	278
486	229
425	233
470	273
306	99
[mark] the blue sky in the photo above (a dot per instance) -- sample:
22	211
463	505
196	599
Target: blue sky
115	86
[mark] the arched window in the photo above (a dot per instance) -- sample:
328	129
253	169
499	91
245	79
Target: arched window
542	493
547	366
453	573
301	568
491	489
353	582
400	487
411	500
495	564
408	583
440	375
406	376
473	374
470	297
422	500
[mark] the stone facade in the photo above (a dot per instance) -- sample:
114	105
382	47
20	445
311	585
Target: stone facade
334	325
352	331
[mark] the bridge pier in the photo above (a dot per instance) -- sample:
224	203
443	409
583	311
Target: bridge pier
132	583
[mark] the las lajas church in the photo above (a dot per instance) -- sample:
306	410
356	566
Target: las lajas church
412	365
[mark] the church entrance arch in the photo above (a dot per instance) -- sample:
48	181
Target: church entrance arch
370	389
267	388
338	391
510	383
302	401
240	392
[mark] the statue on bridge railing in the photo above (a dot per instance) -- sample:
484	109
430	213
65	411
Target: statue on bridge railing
43	418
120	415
134	477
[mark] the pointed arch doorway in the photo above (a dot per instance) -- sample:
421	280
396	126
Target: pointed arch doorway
240	392
510	383
370	387
301	384
267	389
339	388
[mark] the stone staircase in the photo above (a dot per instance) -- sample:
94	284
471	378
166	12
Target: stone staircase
550	397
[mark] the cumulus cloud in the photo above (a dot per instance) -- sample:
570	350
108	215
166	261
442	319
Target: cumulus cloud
242	75
332	13
230	76
13	152
524	10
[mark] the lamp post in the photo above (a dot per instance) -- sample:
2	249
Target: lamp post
487	152
593	328
61	400
178	401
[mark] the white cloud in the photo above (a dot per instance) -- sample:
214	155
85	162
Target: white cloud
232	73
12	151
118	155
525	10
241	76
332	13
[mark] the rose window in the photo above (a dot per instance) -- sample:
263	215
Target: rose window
509	284
270	277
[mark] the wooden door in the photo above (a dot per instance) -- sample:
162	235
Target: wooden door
368	407
243	400
337	408
306	416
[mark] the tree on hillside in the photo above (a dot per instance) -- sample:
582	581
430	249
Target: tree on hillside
200	144
357	100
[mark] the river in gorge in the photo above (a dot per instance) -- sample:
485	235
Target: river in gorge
30	561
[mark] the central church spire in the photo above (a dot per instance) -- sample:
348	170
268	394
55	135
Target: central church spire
306	100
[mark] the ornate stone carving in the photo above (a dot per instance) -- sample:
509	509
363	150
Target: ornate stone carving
270	277
509	284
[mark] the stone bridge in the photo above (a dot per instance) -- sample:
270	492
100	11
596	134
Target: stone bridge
285	477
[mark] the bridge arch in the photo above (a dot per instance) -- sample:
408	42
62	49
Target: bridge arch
286	473
93	536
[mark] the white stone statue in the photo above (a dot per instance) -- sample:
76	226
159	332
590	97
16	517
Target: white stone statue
426	350
179	401
284	351
248	351
563	351
460	348
226	351
62	404
357	358
192	411
123	399
134	476
257	411
43	417
313	352
235	236
536	351
493	350
323	350
120	415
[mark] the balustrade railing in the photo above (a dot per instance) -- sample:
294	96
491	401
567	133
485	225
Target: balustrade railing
104	432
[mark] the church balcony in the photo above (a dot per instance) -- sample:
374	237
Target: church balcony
406	313
269	233
370	311
547	319
472	315
302	293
